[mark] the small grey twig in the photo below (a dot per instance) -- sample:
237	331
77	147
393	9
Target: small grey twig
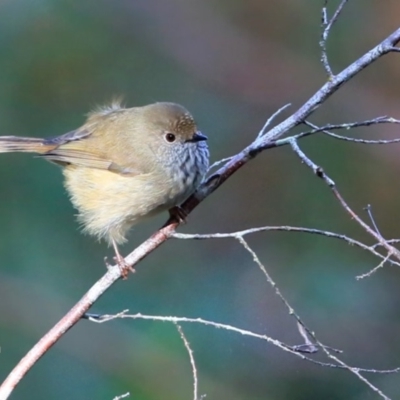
271	118
290	309
219	162
372	271
390	241
286	228
173	319
260	134
192	362
327	128
372	219
321	174
326	26
122	396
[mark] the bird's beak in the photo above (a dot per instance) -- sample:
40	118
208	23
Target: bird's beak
197	137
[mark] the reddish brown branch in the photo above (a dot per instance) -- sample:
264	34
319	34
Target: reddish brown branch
80	308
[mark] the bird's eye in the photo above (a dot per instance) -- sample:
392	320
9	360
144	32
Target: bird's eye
170	137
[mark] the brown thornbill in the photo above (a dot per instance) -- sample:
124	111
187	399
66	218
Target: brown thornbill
125	164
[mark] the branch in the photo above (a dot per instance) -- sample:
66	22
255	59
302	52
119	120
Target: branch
326	26
191	358
326	130
212	183
122	396
304	330
217	325
318	171
270	119
283	228
330	87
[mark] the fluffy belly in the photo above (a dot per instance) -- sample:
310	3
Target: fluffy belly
109	204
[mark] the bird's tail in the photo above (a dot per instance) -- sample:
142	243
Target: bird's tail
24	144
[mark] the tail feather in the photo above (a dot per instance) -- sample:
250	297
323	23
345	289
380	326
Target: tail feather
24	144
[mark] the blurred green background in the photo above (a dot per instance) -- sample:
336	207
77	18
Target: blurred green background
232	63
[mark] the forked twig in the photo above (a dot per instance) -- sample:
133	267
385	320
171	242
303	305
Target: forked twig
326	26
181	320
327	130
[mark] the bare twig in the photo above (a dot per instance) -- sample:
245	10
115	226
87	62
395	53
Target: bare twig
261	133
391	241
347	239
173	319
290	309
327	90
271	118
285	228
326	26
122	396
304	328
345	126
372	219
321	174
372	271
327	128
357	372
192	362
219	162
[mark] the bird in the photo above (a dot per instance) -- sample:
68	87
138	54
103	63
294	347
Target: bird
124	165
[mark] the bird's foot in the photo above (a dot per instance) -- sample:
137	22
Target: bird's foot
178	213
124	267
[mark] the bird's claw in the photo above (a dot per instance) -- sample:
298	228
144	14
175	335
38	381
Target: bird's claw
124	267
178	213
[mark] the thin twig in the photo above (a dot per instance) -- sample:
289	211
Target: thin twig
328	89
327	128
372	219
318	171
173	319
372	271
356	371
262	131
271	118
272	283
122	396
345	126
391	241
292	312
326	26
349	240
219	162
284	228
192	362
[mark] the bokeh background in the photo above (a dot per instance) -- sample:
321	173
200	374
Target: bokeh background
232	63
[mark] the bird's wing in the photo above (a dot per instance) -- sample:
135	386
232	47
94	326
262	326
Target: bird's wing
82	158
70	149
72	136
66	152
